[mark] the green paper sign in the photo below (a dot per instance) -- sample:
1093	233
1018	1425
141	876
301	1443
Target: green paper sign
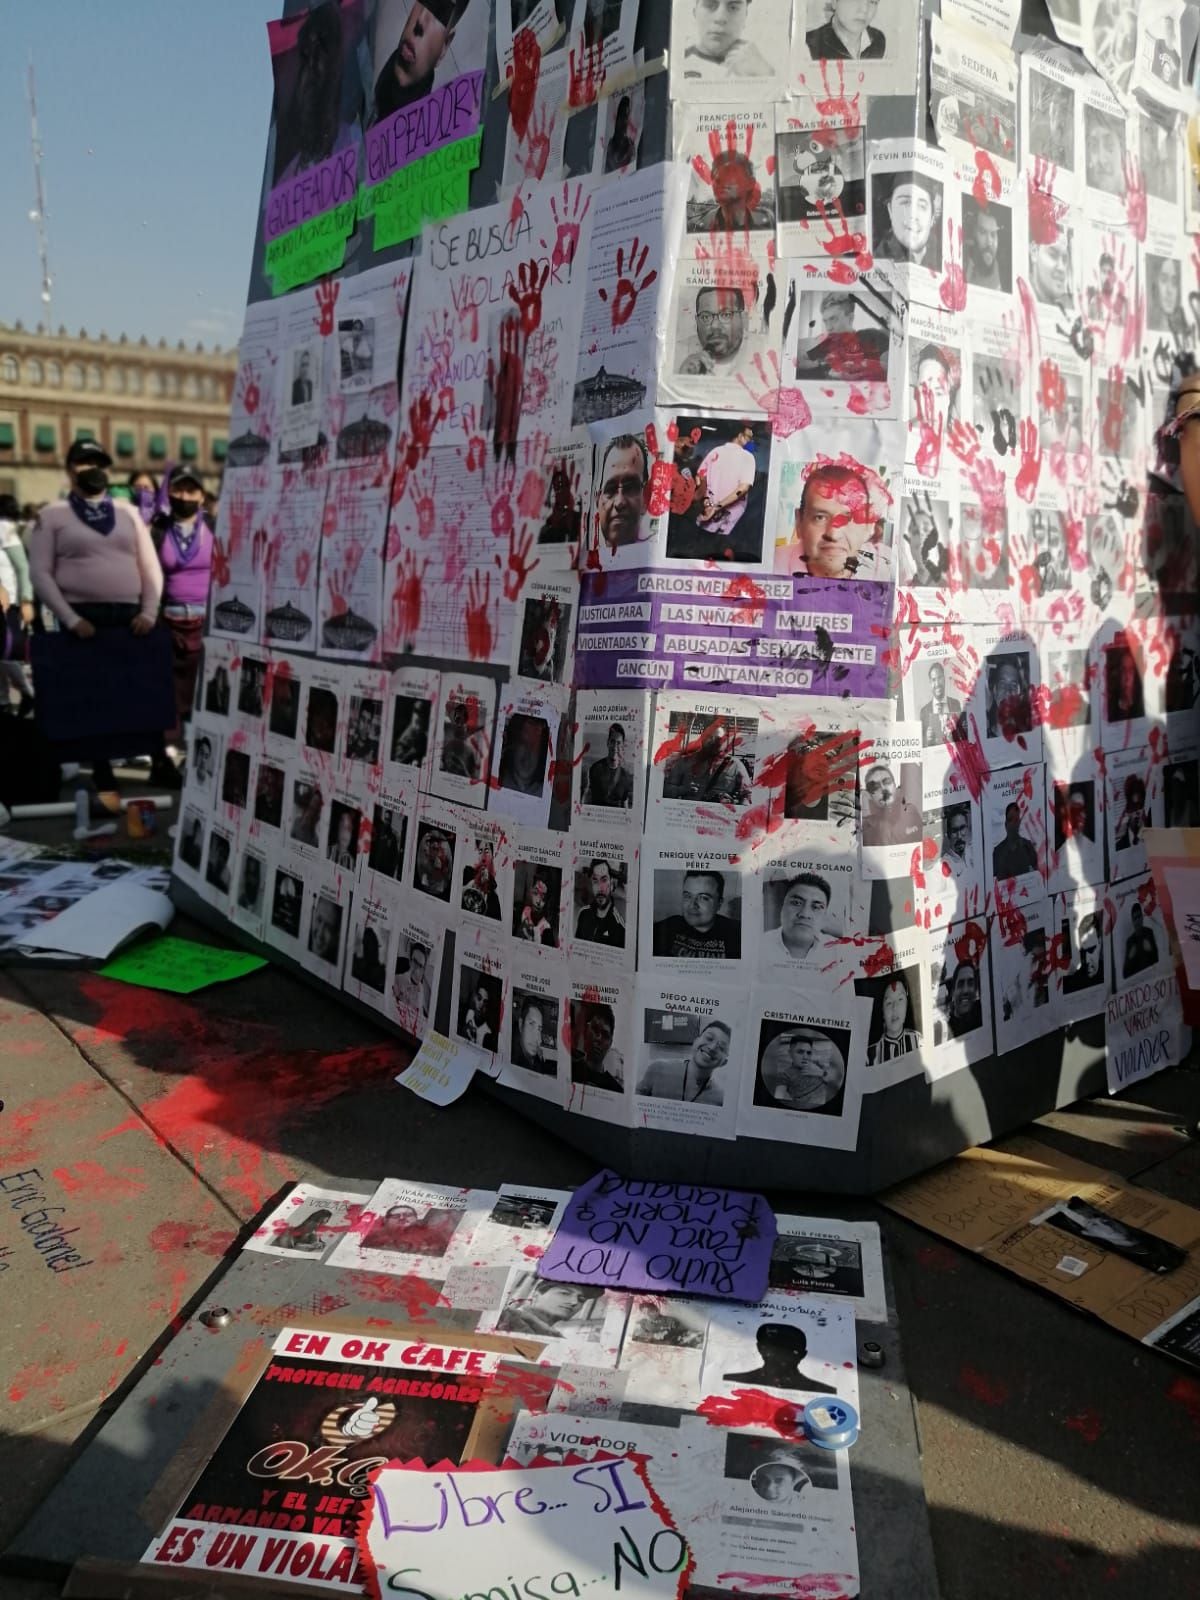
311	250
428	190
179	965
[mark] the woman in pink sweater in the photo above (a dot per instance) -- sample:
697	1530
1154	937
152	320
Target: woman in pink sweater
184	542
93	563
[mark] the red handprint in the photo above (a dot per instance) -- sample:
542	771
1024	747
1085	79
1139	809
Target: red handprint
476	445
327	292
625	299
963	441
587	72
526	70
406	599
422	420
424	493
1031	460
508	387
1044	210
766	398
574	209
952	291
1113	425
532	496
536	154
519	567
930	422
479	622
842	241
731	177
502	510
1052	392
987	179
220	565
1135	197
526	295
251	394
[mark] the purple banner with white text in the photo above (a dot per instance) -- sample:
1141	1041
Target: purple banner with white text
746	635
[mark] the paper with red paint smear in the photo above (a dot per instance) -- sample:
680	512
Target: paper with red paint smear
527	734
412	1227
708	364
462	751
844	341
1026	994
893	974
804	1076
799	1543
610	757
576	1321
309	1222
539	17
1015	855
620	231
704	752
1134	803
617	150
1052	150
820	172
960	997
799	928
949	880
1075	822
973	95
919	281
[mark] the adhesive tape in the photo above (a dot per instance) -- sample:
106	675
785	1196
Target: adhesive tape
830	1422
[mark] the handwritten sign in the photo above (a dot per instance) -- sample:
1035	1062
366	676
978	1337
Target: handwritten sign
675	1237
180	966
310	250
596	1529
1145	1026
442	1069
429	189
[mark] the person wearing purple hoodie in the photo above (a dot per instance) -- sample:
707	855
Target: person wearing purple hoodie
184	542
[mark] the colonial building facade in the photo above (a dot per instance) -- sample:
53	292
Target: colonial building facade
147	404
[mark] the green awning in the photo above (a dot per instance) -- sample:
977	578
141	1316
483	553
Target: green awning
8	436
45	437
220	449
188	448
126	444
158	446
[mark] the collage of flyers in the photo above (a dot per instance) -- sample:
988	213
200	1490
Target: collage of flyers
686	611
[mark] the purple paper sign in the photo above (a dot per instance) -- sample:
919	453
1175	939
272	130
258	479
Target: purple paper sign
449	113
666	1238
312	193
761	635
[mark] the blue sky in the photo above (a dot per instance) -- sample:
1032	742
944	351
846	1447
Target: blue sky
154	117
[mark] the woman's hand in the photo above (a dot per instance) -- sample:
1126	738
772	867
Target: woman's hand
83	629
140	626
27	613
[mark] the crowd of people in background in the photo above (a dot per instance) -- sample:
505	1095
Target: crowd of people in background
134	557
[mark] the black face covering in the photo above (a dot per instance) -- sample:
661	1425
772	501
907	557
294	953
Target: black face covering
182	509
92	480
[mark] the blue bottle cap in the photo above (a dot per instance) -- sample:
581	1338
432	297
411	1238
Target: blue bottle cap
830	1422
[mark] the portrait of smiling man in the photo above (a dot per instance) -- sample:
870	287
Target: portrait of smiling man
908	225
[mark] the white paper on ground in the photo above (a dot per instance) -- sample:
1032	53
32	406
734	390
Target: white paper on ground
99	924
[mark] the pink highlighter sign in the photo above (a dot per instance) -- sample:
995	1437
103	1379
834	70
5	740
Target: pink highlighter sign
667	1238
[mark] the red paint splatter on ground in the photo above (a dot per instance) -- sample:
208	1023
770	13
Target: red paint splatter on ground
749	1407
98	1183
1088	1424
937	1258
169	1238
413	1293
990	1391
1185	1392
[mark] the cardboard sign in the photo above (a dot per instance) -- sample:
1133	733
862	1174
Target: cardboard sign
597	1529
1124	1254
676	1238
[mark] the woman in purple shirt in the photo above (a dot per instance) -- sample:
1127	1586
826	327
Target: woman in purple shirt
184	542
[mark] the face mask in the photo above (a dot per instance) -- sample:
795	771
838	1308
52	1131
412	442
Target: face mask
92	480
182	509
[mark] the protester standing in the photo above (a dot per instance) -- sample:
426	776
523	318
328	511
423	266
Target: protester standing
184	542
16	603
142	487
94	565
